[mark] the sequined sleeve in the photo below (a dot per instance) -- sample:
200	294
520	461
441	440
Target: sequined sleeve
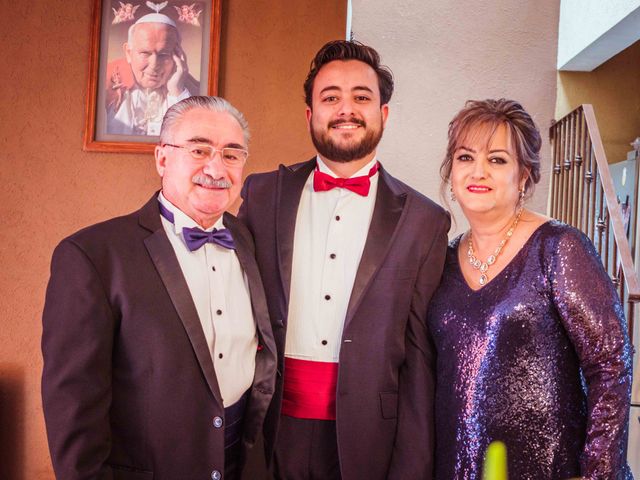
593	317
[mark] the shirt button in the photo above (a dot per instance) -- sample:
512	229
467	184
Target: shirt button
338	218
217	422
332	256
213	268
327	297
324	342
220	355
218	312
216	475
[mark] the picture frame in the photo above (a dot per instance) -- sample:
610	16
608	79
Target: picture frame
144	57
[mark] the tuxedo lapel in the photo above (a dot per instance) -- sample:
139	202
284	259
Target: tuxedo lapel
290	185
166	263
266	357
246	257
386	216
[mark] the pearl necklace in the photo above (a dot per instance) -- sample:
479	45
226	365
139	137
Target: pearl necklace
491	259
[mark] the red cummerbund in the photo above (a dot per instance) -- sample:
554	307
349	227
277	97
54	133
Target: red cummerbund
309	389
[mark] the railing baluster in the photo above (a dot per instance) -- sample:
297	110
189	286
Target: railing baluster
555	171
610	269
633	218
600	225
553	174
631	310
587	172
618	272
561	170
566	167
571	168
583	195
594	192
588	178
578	183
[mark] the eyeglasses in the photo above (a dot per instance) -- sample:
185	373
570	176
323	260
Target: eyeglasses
231	157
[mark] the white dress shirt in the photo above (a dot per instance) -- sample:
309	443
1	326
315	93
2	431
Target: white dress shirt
141	113
330	233
220	292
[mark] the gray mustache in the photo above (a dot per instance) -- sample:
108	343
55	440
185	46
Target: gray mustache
208	181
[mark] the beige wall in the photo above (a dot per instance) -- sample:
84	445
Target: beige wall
443	53
614	91
51	188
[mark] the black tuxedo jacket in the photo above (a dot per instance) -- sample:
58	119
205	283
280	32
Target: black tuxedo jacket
386	379
129	388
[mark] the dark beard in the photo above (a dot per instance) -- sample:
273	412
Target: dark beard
329	150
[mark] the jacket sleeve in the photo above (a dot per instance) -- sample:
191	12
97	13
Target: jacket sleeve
413	451
77	343
593	317
243	213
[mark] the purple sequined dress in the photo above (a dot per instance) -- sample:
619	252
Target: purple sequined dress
539	358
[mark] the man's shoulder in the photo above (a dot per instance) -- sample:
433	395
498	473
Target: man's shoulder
265	182
273	174
418	200
107	234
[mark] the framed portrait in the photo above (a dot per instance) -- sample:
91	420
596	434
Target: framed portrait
146	56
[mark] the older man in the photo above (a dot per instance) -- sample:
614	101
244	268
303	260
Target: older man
159	361
159	77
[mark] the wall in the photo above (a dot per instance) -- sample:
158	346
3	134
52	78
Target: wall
51	188
592	31
614	91
443	53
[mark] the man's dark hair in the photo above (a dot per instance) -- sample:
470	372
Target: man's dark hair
350	50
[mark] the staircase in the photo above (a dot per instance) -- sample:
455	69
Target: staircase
583	195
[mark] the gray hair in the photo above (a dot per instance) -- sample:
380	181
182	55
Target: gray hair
215	104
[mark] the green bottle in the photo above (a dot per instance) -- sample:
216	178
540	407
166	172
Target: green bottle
495	462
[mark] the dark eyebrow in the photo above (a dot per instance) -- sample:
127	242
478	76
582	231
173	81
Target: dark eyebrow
206	141
462	147
330	87
362	88
235	145
500	150
335	87
199	140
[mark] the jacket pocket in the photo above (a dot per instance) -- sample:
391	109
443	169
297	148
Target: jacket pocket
389	404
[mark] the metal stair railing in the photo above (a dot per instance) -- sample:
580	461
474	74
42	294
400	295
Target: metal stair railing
583	195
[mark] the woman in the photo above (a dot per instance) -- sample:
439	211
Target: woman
530	334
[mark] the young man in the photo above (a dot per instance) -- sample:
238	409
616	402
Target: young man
159	361
350	257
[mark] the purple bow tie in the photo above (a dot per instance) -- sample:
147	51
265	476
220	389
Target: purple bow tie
195	237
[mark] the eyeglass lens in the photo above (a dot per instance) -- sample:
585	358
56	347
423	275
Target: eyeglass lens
231	156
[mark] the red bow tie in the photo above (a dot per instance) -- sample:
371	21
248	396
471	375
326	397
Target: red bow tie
359	185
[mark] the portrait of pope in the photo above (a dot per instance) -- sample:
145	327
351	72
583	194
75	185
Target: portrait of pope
153	62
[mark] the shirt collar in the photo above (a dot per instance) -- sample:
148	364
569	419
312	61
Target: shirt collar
363	171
